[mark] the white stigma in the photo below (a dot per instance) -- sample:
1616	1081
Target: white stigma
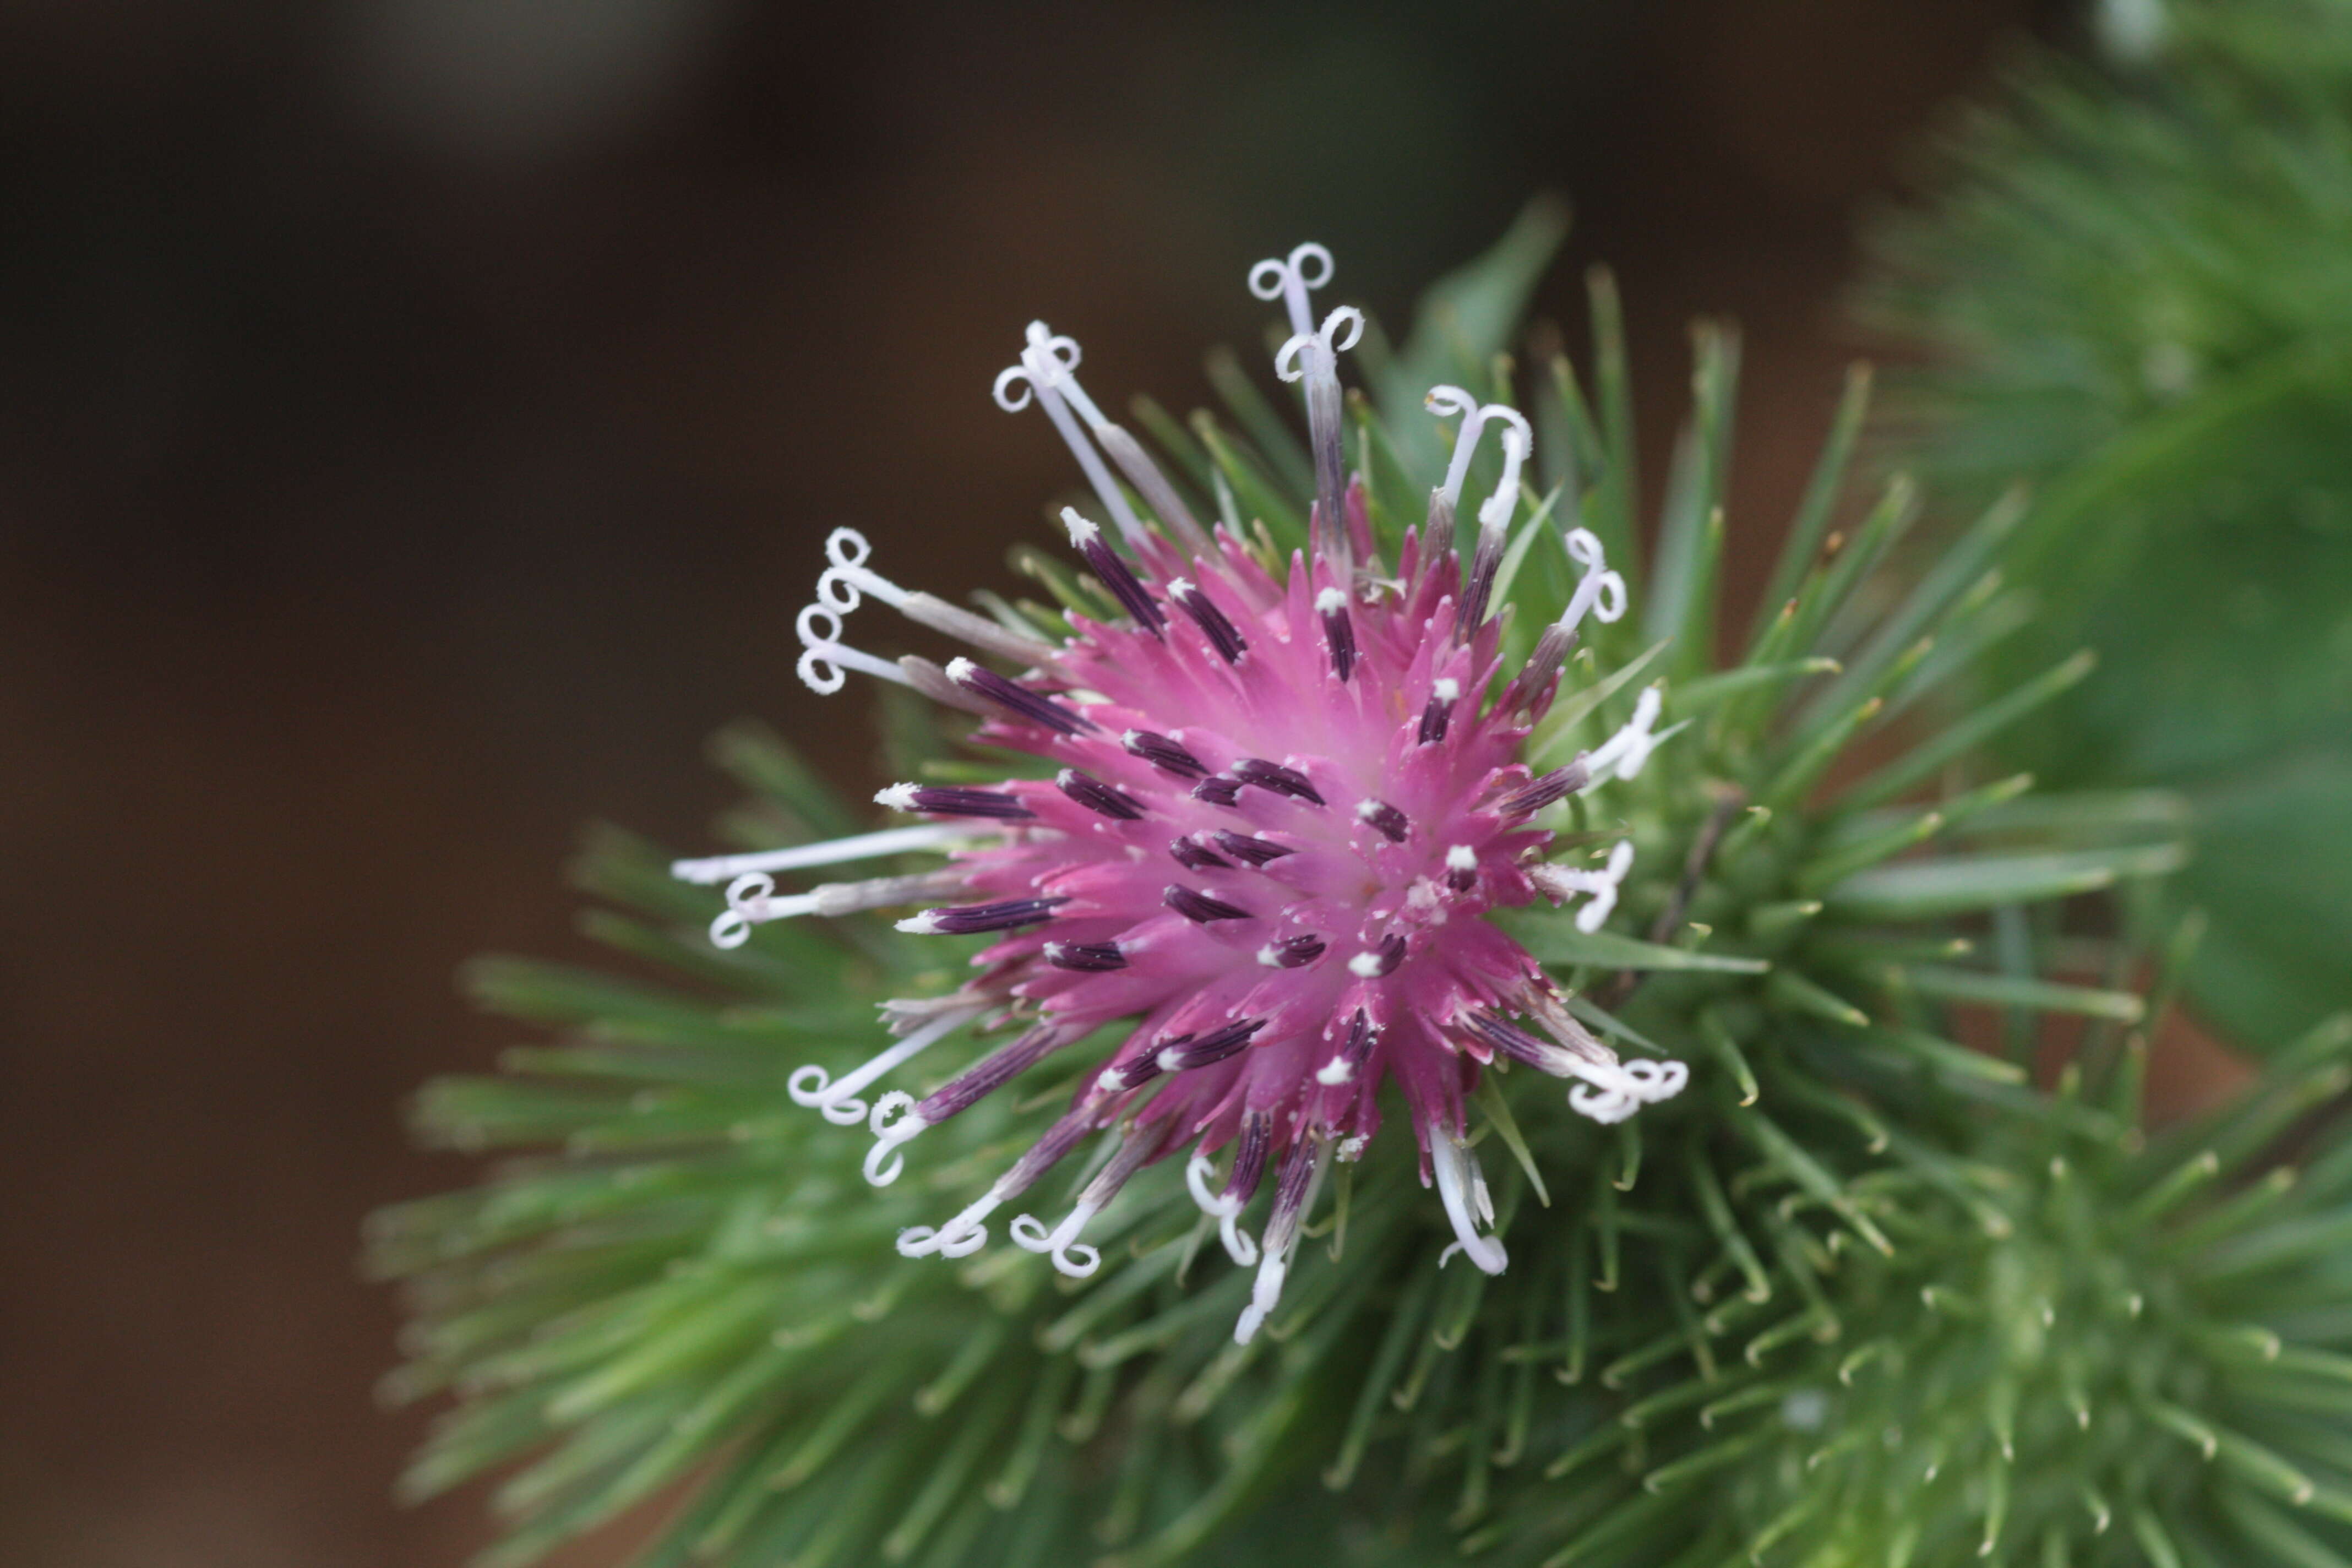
1330	602
960	1238
898	798
888	1134
752	900
841	589
1290	278
1239	1245
1082	529
1446	691
1563	882
1270	956
811	1086
1462	858
1265	1294
1625	753
1365	966
1611	1094
1336	1071
1515	441
1517	438
1599	590
1462	1188
923	924
1044	376
1071	1256
961	671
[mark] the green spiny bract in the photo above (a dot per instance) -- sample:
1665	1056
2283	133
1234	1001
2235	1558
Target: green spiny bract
2083	1347
678	1279
2134	279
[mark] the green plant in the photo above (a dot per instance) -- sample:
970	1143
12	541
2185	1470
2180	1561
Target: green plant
1852	1219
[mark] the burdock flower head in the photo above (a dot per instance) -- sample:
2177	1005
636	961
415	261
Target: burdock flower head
1280	797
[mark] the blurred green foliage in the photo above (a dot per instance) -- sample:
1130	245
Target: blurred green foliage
2134	281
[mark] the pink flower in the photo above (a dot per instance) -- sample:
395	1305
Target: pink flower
1282	802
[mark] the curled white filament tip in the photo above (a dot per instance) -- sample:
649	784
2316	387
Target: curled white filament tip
750	901
1516	439
1519	439
1265	1294
1290	278
1046	362
837	1101
1626	752
1043	376
1612	1093
1462	1188
1289	363
1221	1208
825	657
1600	591
1071	1257
1564	882
888	1133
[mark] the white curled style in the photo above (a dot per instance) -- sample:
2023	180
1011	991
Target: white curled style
1290	364
752	900
1239	1245
1042	377
1071	1257
837	1101
1290	278
1611	1094
1265	1295
839	589
1519	439
1516	439
824	655
1448	402
1600	591
1626	752
889	1133
1566	882
1048	358
960	1238
1462	1188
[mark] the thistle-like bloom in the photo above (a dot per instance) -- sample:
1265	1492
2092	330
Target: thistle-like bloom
1281	798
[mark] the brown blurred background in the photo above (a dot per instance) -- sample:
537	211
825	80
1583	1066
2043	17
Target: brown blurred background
417	423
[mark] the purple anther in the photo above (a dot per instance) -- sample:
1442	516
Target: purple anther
970	920
1248	847
1294	952
1187	1052
1116	574
1199	908
1552	786
1098	796
984	682
1218	789
1275	777
1222	634
1162	753
1338	631
1085	957
1192	856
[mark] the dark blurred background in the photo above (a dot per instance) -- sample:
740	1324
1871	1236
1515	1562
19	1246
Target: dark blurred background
418	421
